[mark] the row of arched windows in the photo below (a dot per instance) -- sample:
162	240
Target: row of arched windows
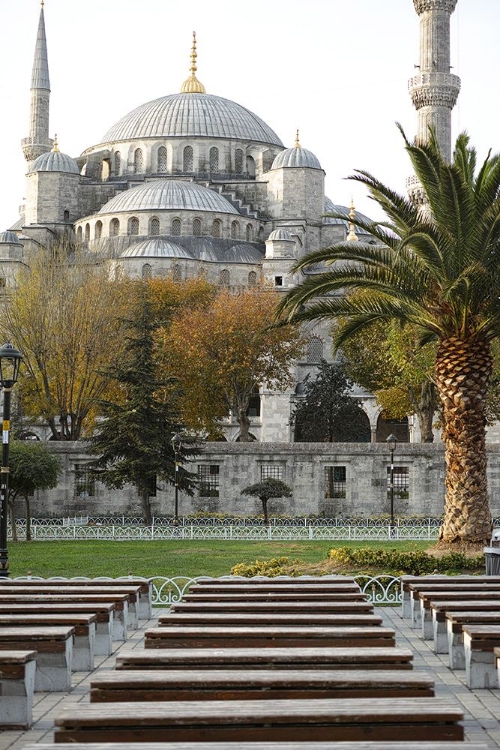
224	276
188	165
175	229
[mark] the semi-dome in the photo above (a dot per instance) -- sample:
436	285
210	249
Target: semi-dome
54	161
296	157
9	237
280	234
191	115
157	248
176	195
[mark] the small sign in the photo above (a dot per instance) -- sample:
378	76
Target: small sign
6	425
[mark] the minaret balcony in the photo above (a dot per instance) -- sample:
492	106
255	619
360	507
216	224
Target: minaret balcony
434	90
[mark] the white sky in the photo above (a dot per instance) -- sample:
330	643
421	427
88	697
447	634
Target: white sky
335	69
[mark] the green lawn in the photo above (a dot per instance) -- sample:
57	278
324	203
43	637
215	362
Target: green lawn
166	558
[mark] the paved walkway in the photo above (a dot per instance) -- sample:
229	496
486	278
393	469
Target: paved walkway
481	707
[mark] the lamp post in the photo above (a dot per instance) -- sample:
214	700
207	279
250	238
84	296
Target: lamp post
176	445
392	441
10	361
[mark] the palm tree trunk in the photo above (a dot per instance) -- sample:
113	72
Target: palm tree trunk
463	371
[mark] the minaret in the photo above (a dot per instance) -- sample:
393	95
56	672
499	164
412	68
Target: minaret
434	90
38	141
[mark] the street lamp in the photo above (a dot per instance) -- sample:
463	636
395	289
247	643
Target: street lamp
10	361
176	445
392	441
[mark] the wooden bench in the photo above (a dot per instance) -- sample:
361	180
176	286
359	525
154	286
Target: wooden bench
356	604
305	620
257	684
347	719
103	645
120	611
237	580
276	596
17	684
54	647
424	598
365	658
429	581
83	638
273	588
439	610
267	637
455	622
480	665
132	593
360	745
143	585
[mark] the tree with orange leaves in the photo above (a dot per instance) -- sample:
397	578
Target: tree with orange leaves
223	351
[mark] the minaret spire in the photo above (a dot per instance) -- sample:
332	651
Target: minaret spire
434	90
38	141
352	236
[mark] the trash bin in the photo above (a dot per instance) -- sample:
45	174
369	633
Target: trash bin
492	555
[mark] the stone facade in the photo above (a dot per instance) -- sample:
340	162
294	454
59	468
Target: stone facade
330	479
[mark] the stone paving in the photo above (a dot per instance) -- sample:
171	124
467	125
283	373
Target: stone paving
481	707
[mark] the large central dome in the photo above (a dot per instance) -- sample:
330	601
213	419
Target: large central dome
192	115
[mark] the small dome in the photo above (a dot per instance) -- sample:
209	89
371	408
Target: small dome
157	248
175	195
331	207
9	237
296	157
280	234
54	161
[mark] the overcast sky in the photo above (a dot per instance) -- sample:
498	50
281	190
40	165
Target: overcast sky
336	70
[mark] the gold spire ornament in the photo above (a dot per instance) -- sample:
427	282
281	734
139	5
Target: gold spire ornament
55	148
297	142
352	236
192	85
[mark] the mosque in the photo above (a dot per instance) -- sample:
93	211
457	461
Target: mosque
194	184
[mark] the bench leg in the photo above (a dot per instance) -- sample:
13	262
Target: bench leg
440	636
16	699
426	624
480	668
416	619
53	670
456	650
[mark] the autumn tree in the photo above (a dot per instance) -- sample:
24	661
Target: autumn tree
223	352
64	316
327	411
31	467
133	440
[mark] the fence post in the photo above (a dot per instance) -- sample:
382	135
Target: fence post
310	531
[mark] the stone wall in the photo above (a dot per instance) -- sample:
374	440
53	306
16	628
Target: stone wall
305	466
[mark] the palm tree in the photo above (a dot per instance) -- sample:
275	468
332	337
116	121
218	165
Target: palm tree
437	268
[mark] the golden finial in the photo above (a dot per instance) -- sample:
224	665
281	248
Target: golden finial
352	237
55	148
42	4
297	143
192	85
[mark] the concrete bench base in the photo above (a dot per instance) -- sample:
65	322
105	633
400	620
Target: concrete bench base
17	684
480	666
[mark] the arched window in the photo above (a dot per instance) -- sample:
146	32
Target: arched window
66	216
314	350
114	227
154	226
98	230
147	272
216	228
162	159
118	163
176	227
249	233
79	234
224	277
138	161
252	278
238	161
214	159
197	227
133	225
261	234
187	165
235	230
176	273
251	166
87	232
